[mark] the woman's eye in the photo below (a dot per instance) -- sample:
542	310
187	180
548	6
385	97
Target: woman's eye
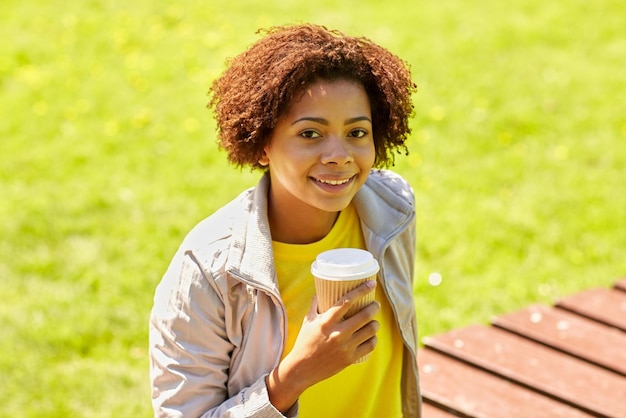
310	134
358	133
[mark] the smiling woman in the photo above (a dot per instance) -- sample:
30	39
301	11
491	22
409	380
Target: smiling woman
322	110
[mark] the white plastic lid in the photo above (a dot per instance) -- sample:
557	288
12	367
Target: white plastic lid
344	264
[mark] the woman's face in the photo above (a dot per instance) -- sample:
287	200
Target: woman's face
321	151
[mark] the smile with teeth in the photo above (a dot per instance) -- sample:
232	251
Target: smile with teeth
334	182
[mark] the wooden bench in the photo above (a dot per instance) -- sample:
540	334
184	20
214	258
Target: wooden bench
567	360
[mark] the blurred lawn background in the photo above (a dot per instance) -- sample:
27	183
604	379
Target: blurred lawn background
108	158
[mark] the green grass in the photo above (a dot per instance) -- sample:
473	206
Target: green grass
108	159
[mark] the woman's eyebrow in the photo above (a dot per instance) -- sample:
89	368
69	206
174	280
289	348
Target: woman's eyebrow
357	119
323	121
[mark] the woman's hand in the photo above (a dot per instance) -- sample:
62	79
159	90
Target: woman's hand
326	344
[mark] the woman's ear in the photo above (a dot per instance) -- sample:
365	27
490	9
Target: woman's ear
264	161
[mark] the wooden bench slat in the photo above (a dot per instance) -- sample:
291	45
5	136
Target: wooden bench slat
431	411
472	392
535	366
603	305
621	284
578	336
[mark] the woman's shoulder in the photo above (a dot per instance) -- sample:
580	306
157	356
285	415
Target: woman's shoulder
387	181
221	224
385	175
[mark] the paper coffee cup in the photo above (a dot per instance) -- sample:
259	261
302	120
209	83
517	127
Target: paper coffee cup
337	272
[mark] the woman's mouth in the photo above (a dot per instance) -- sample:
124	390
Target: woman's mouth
334	182
333	185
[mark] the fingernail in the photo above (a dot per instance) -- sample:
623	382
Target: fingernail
371	284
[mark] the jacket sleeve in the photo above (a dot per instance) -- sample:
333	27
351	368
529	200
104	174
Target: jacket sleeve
190	351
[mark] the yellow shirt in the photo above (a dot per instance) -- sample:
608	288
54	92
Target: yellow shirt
368	389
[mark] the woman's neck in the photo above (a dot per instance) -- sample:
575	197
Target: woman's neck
299	225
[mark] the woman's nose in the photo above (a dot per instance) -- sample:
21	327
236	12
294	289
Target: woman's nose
336	151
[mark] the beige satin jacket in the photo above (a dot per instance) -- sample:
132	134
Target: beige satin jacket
218	324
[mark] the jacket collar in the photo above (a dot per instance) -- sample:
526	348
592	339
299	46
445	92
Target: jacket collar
385	206
251	257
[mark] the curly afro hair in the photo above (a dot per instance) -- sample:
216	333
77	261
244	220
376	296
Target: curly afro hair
260	84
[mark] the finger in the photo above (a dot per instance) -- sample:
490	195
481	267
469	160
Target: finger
366	347
366	332
341	307
361	318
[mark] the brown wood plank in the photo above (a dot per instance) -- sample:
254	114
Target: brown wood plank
621	284
603	305
431	411
578	336
535	366
471	392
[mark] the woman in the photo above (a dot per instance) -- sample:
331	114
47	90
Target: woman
235	330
